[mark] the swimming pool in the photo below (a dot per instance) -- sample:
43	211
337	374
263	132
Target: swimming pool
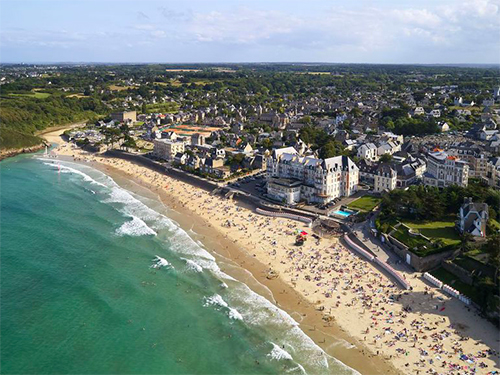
342	213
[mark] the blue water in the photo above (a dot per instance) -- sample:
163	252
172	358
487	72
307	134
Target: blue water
80	292
342	213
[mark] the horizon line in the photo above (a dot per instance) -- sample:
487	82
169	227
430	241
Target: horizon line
240	62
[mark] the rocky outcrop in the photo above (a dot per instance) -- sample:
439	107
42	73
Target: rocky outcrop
4	154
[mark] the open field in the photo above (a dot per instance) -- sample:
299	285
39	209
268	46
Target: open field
182	70
120	88
37	95
366	203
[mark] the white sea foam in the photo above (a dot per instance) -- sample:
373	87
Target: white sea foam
215	300
234	314
278	353
219	303
192	265
160	262
135	227
66	169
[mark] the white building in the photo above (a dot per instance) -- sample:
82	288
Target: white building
385	178
435	113
285	190
368	151
320	180
419	111
167	149
388	148
444	170
444	127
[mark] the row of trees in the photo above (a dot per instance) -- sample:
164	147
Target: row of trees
430	203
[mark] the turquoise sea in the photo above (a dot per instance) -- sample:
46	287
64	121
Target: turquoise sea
96	279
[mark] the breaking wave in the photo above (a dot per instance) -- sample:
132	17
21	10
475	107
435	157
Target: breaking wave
278	353
159	262
192	265
135	227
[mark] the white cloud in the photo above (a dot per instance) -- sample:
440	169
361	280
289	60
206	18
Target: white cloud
451	31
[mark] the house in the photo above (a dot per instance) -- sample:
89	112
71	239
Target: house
492	176
460	102
488	102
418	111
388	148
194	161
246	148
435	113
443	127
172	136
473	218
211	164
486	135
180	158
368	151
385	178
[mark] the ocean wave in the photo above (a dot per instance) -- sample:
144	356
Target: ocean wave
219	303
135	227
234	314
215	300
278	353
66	169
159	262
192	266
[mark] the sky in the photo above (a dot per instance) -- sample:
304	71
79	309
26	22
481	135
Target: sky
211	31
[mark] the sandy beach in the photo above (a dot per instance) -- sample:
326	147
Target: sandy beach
346	305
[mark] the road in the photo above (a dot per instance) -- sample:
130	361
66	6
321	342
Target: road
364	234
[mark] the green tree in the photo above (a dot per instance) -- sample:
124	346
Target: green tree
386	158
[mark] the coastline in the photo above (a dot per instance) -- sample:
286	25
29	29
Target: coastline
297	297
8	153
241	265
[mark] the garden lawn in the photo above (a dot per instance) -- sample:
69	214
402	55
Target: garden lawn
366	203
437	230
401	234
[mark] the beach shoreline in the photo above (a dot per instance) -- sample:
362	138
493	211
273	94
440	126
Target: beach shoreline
294	295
